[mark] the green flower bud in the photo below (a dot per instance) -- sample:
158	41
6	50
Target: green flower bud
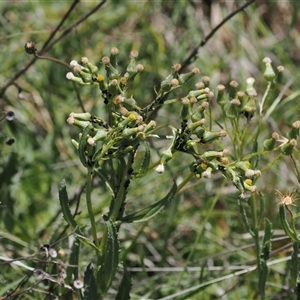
233	108
206	80
212	154
80	123
191	146
209	137
279	78
184	78
294	133
243	165
131	103
233	89
199	132
199	113
150	126
221	98
250	88
193	126
100	135
186	109
250	106
129	121
79	81
269	144
199	92
113	56
269	73
81	116
111	71
131	68
130	132
288	148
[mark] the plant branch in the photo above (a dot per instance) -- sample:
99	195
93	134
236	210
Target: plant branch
49	45
194	53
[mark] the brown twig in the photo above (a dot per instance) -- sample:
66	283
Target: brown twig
50	45
194	53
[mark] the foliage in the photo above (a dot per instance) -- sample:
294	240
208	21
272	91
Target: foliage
151	209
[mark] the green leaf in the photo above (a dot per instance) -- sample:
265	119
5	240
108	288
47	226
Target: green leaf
267	240
146	161
110	257
72	270
125	286
286	226
294	265
90	284
82	145
152	210
64	203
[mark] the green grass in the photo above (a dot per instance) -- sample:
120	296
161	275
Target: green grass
202	227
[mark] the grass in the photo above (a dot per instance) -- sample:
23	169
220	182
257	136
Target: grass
202	228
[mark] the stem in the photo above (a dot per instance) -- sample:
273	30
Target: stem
261	105
52	59
89	204
255	230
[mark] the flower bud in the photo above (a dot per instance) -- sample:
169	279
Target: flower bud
79	81
250	88
279	78
206	80
269	144
233	108
102	83
207	173
199	113
113	56
233	89
100	135
288	148
294	133
221	98
186	109
269	73
160	169
81	116
30	47
209	137
184	78
243	165
111	71
150	126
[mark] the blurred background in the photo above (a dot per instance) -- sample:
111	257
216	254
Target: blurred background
202	227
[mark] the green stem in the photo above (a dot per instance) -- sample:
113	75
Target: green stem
185	181
253	207
261	105
89	204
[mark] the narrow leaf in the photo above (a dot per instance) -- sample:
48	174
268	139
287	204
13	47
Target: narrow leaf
64	203
72	270
90	285
146	161
110	256
152	210
82	145
125	286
